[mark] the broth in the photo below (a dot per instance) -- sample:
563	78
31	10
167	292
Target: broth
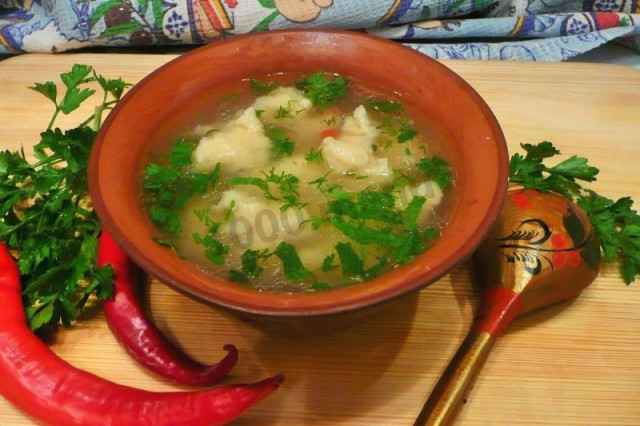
300	185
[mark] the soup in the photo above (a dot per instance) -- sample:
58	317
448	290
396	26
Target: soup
301	185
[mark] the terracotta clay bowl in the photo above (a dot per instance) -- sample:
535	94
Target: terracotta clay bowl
158	103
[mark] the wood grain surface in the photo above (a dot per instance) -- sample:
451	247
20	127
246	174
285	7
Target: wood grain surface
575	363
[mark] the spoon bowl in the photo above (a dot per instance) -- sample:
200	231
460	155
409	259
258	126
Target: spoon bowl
541	250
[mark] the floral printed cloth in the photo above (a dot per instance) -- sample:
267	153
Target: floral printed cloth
547	30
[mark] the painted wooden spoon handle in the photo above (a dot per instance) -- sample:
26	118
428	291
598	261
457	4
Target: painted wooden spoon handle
498	307
457	379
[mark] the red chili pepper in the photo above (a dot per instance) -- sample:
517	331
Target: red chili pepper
141	338
44	386
330	133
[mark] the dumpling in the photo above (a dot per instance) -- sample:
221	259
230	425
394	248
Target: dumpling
258	223
240	144
352	150
286	99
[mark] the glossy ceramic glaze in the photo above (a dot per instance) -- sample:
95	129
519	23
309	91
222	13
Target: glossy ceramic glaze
477	151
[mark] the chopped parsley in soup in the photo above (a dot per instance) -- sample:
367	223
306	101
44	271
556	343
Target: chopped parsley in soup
301	185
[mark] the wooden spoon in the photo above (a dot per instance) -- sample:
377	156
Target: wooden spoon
541	250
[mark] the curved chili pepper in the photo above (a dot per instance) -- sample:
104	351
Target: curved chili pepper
49	389
143	340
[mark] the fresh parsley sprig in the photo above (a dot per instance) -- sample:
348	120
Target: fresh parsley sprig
530	172
46	217
616	224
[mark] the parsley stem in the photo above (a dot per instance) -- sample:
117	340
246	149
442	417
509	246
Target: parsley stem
53	159
97	117
104	107
8	231
53	118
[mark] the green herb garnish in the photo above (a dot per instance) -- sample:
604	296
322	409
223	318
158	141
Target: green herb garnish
280	144
251	267
314	156
293	267
237	276
181	150
250	260
169	187
323	89
412	211
328	263
286	183
352	264
330	121
368	204
371	218
406	133
283	113
321	286
437	169
215	251
261	87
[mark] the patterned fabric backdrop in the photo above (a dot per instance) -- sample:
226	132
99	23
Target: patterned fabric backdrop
549	30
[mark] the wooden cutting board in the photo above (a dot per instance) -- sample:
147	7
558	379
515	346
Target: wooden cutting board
574	363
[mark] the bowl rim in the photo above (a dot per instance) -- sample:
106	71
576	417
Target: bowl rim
306	305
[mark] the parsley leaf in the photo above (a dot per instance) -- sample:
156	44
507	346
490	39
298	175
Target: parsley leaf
215	251
181	151
282	112
45	213
250	259
368	204
291	263
314	156
280	144
167	188
238	276
371	218
437	169
352	264
406	133
615	223
321	286
48	89
286	183
617	227
323	89
530	172
166	218
327	263
412	211
261	87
